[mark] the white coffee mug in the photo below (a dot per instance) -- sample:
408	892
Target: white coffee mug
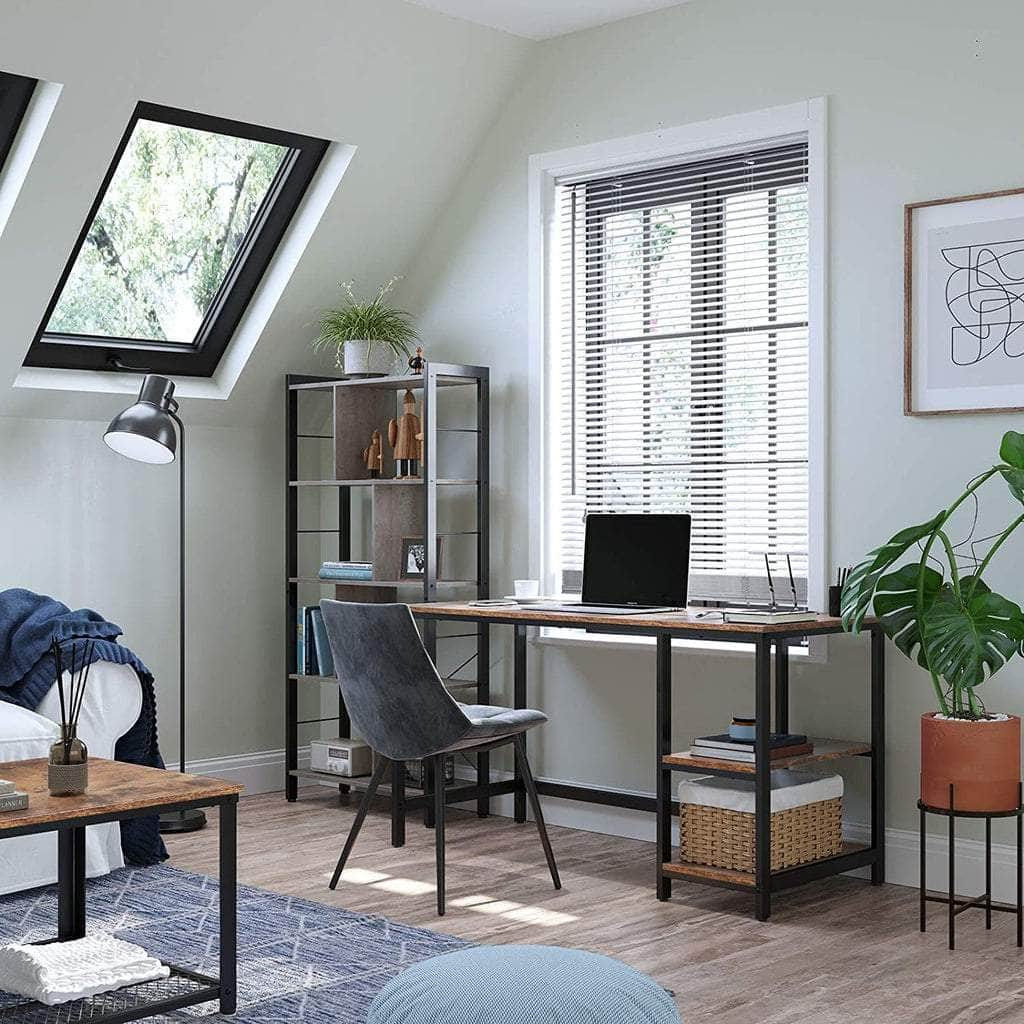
527	588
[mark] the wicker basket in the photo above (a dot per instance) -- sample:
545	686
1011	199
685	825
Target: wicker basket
725	839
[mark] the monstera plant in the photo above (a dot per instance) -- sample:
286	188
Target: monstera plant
940	612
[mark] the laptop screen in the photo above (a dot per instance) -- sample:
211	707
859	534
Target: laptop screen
636	559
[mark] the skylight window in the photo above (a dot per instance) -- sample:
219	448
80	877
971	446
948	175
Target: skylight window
15	93
184	226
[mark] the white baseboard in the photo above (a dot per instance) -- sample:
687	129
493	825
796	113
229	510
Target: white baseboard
263	772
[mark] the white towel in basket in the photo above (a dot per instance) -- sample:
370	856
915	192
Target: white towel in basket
58	972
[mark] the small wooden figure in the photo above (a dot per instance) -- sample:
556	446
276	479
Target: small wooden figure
402	436
417	362
374	456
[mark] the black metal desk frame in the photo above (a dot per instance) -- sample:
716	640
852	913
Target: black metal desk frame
149	999
954	906
768	645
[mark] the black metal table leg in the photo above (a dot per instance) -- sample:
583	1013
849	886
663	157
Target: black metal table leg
878	753
483	696
519	701
228	905
663	717
782	686
762	780
923	870
71	883
291	732
398	803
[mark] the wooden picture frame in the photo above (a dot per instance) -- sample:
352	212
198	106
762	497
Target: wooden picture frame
963	319
413	550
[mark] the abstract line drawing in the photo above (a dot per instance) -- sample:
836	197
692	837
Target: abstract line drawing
985	298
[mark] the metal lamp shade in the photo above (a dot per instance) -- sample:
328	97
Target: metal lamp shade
145	431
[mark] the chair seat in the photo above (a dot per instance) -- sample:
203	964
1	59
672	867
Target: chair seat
489	723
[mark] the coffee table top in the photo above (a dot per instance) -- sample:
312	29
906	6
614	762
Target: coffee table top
115	790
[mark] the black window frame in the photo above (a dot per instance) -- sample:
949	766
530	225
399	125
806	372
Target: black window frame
14	100
202	357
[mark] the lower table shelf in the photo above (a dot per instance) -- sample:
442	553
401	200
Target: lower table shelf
136	1002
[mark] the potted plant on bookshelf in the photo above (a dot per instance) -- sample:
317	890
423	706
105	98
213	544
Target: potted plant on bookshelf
367	337
941	613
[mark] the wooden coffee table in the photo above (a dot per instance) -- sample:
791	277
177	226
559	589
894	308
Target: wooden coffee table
118	791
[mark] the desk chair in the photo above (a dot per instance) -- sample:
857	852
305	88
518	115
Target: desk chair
397	702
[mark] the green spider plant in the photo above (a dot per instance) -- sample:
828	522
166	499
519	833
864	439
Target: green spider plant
375	321
949	621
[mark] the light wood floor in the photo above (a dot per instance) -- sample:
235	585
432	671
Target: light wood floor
835	952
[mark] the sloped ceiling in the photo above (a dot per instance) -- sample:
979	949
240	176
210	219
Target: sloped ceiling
385	76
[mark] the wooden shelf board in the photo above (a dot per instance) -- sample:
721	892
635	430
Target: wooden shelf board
312	773
746	879
824	750
411	381
312	679
376	583
382	482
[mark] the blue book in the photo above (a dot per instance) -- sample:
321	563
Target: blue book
300	642
324	656
307	635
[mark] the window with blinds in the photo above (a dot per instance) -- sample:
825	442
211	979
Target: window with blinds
680	373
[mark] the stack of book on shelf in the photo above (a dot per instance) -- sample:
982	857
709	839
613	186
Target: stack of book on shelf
724	748
346	571
313	652
12	799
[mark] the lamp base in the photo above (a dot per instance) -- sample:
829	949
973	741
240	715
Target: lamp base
182	821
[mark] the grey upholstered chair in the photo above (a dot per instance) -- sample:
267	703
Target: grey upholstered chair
397	702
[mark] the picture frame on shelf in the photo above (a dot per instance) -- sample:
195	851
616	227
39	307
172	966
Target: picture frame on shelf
964	304
414	561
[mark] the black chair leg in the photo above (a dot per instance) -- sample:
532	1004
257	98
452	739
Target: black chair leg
383	764
439	795
531	794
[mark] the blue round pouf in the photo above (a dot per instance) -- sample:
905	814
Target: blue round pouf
522	985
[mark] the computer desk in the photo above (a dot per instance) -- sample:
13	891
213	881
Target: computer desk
768	643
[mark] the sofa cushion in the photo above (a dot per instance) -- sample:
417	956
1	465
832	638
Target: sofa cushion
24	734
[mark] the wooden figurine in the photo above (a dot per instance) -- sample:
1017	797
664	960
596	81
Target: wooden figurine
374	456
417	362
402	436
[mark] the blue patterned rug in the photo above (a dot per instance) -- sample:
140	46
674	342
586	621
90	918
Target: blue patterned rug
298	961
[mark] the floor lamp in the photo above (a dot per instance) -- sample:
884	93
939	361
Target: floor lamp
146	432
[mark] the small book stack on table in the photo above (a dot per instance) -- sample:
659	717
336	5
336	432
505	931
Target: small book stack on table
359	571
724	748
12	799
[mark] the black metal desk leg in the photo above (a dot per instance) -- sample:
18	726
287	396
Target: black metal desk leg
923	870
664	746
70	883
291	734
398	803
878	754
762	780
519	701
228	905
782	685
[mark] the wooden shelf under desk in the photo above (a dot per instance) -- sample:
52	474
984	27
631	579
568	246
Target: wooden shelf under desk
824	750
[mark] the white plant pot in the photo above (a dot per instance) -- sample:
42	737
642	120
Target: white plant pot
363	360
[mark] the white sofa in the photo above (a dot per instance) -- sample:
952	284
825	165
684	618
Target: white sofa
111	707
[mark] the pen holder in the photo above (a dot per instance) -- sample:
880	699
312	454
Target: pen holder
835	595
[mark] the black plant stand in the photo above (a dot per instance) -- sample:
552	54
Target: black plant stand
984	901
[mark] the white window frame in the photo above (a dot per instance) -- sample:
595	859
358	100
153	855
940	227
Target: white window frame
719	137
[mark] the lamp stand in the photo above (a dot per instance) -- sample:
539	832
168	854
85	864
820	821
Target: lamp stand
191	820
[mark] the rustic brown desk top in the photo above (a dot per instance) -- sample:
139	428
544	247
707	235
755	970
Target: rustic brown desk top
678	622
114	788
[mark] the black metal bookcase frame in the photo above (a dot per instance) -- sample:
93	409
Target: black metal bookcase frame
435	377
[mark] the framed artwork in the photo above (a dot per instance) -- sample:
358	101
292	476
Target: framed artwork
414	558
964	305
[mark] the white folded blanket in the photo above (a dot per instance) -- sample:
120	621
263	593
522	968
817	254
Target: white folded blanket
61	971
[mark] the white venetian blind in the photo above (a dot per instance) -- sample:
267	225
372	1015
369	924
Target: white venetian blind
681	370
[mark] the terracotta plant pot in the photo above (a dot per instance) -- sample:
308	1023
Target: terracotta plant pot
980	759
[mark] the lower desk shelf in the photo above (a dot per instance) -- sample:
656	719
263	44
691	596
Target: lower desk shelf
824	750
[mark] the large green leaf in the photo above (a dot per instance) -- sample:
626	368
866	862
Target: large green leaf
1011	451
1015	481
970	639
896	606
860	586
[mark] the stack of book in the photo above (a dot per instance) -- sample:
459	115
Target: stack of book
346	571
12	799
724	748
313	652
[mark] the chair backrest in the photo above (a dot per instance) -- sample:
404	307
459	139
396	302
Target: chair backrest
393	693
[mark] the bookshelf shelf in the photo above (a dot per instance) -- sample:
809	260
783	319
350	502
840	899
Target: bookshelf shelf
824	750
347	514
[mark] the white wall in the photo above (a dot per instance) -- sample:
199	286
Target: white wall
92	529
922	96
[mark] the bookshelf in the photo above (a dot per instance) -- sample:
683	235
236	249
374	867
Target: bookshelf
329	420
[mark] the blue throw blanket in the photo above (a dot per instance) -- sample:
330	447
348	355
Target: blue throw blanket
29	623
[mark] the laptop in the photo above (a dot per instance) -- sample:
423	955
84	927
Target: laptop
633	564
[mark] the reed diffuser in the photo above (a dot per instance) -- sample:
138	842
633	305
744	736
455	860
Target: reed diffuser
68	770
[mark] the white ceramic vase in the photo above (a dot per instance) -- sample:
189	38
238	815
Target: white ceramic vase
366	359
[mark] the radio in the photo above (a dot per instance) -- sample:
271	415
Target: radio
341	756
